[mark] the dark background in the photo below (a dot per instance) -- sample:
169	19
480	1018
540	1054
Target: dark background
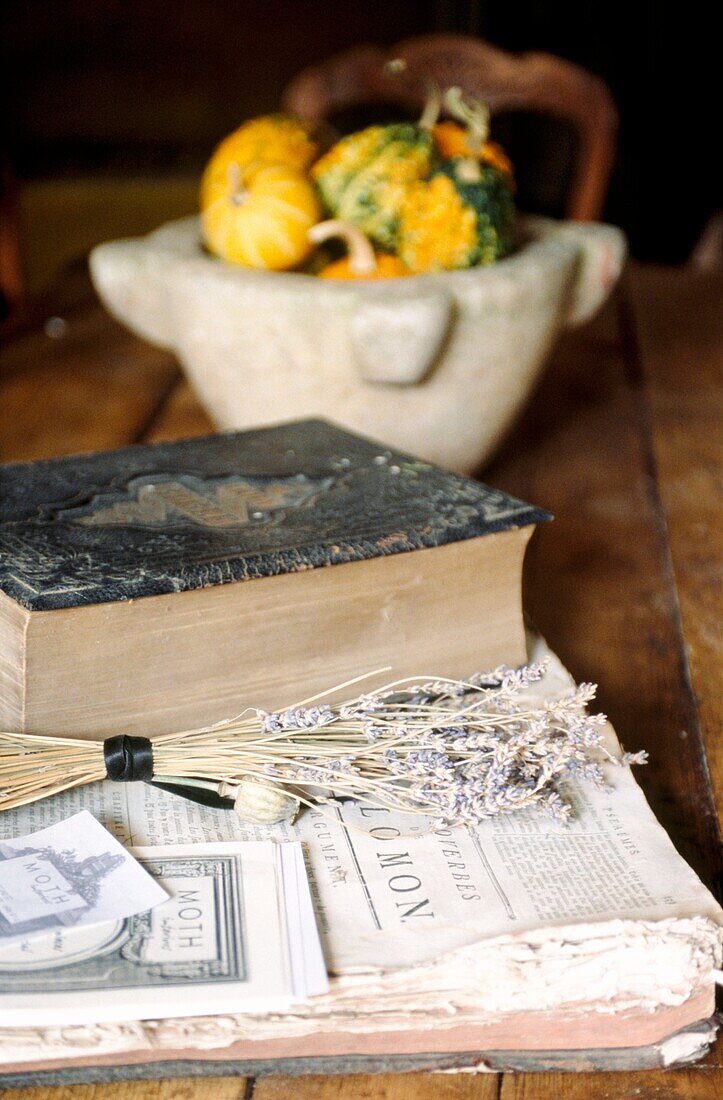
119	87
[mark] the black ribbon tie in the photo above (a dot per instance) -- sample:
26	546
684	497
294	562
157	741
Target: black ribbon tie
128	759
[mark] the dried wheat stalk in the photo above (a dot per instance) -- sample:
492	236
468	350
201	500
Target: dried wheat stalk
457	751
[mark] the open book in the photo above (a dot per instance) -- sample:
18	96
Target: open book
521	943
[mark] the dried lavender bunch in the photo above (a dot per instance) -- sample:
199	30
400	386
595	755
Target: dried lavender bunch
456	751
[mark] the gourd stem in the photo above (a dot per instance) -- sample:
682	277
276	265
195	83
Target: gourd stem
468	170
433	102
432	107
362	260
239	193
473	113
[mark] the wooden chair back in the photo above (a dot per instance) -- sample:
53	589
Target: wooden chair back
532	82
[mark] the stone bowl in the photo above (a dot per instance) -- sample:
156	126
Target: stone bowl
438	365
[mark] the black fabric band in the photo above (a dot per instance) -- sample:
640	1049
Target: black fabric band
128	758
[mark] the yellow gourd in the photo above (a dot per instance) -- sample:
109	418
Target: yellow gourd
270	139
461	217
463	214
258	215
361	261
437	228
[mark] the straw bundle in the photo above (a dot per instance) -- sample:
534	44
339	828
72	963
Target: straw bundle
457	751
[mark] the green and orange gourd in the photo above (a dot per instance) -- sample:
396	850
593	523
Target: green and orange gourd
407	198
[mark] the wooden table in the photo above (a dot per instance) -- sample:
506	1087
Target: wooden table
620	443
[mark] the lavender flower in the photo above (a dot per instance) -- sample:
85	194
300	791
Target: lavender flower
457	751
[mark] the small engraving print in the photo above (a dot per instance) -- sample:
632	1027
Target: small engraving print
71	874
55	884
195	936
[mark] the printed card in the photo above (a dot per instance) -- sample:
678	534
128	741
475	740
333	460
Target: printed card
71	874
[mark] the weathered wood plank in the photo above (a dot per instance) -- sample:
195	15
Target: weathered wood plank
393	1086
181	417
64	298
677	317
600	587
692	1084
82	383
204	1088
598	582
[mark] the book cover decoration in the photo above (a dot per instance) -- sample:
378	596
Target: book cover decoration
172	517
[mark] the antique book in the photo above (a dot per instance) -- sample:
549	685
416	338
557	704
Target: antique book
518	944
160	588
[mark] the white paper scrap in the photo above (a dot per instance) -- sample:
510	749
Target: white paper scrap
71	874
308	968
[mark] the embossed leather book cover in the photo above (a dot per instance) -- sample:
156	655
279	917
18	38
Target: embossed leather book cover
159	588
149	520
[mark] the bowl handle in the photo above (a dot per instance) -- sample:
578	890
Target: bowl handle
130	279
397	337
602	250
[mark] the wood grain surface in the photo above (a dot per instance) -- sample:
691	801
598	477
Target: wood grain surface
677	328
622	442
